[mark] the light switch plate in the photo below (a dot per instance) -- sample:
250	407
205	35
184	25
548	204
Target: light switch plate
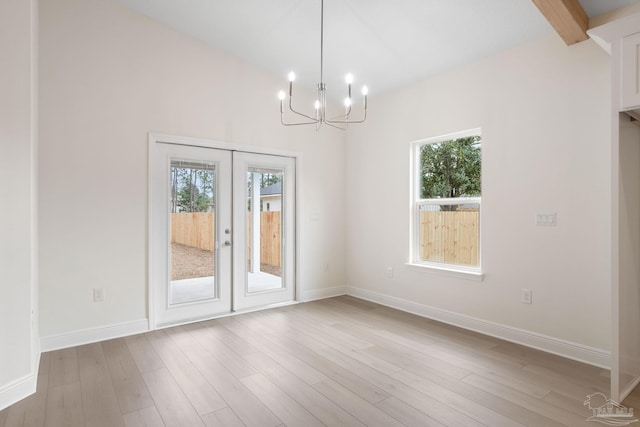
547	219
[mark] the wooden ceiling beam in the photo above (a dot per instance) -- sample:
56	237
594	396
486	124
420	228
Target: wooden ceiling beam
567	17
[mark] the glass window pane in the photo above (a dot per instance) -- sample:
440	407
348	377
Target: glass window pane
450	233
264	229
192	212
450	169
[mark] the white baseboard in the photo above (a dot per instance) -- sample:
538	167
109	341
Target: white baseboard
579	352
21	388
627	391
18	390
324	293
88	336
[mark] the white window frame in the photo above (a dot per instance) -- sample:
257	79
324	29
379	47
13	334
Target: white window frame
454	270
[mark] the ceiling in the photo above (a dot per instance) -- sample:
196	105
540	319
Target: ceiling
386	44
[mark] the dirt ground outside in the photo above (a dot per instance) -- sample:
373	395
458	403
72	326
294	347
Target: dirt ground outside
188	262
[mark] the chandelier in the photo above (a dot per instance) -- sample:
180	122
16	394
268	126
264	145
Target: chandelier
320	116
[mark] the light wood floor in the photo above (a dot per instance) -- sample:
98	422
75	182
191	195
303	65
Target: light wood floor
336	362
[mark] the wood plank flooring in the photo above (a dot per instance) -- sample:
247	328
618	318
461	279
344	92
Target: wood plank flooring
336	362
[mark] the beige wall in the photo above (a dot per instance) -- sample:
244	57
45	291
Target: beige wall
544	113
19	343
108	77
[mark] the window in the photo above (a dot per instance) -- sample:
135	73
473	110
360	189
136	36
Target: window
446	199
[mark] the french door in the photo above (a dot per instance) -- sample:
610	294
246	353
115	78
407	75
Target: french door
264	218
222	232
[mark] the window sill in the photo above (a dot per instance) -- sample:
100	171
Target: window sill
448	272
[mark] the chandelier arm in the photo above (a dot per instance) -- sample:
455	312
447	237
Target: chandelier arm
344	117
299	113
297	124
349	121
329	123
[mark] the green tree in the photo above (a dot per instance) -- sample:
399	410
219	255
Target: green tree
192	189
268	179
451	168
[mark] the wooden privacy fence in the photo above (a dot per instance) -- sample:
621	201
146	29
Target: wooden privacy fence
450	237
197	229
270	241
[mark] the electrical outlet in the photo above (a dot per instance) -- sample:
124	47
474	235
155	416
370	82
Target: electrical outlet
525	296
98	294
389	271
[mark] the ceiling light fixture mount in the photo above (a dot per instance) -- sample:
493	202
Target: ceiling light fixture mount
320	116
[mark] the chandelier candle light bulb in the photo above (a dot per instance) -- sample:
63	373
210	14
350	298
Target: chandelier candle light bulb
320	116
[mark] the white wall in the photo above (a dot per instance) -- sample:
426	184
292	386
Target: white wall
19	350
544	113
108	77
274	202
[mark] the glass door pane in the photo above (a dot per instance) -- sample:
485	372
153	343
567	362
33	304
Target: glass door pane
264	229
192	229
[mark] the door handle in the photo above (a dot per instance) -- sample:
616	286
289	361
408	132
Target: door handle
227	243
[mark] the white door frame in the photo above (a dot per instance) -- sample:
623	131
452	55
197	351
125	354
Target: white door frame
155	138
